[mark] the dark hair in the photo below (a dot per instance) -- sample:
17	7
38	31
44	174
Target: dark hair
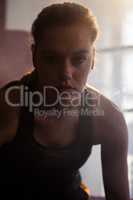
64	14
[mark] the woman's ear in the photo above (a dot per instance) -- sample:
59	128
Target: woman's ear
93	58
33	50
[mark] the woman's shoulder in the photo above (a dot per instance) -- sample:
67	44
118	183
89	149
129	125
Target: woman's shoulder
10	106
106	116
100	101
29	78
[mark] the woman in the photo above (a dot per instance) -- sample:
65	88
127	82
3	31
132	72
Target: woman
50	119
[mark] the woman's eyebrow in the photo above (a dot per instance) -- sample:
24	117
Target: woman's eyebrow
55	52
81	51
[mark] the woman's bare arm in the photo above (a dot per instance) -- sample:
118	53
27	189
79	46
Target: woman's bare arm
114	158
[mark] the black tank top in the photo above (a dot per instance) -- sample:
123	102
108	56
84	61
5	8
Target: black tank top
24	161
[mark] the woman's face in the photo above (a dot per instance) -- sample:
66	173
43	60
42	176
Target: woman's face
64	56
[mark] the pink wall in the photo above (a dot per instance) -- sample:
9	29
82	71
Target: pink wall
15	55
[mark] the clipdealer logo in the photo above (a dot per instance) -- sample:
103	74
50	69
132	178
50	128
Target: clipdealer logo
66	99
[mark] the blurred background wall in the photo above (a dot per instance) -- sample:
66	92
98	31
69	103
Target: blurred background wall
15	56
113	68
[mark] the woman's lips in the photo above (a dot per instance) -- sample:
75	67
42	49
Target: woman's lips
66	88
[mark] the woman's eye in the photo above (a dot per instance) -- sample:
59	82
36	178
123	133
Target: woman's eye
76	61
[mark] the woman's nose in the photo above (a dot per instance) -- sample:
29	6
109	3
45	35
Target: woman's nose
66	70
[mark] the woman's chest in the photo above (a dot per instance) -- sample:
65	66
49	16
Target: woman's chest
53	131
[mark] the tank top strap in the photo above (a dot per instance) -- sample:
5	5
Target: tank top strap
25	126
26	118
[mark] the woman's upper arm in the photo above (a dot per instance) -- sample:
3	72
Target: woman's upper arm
114	159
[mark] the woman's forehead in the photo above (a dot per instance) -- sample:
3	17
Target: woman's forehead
74	36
